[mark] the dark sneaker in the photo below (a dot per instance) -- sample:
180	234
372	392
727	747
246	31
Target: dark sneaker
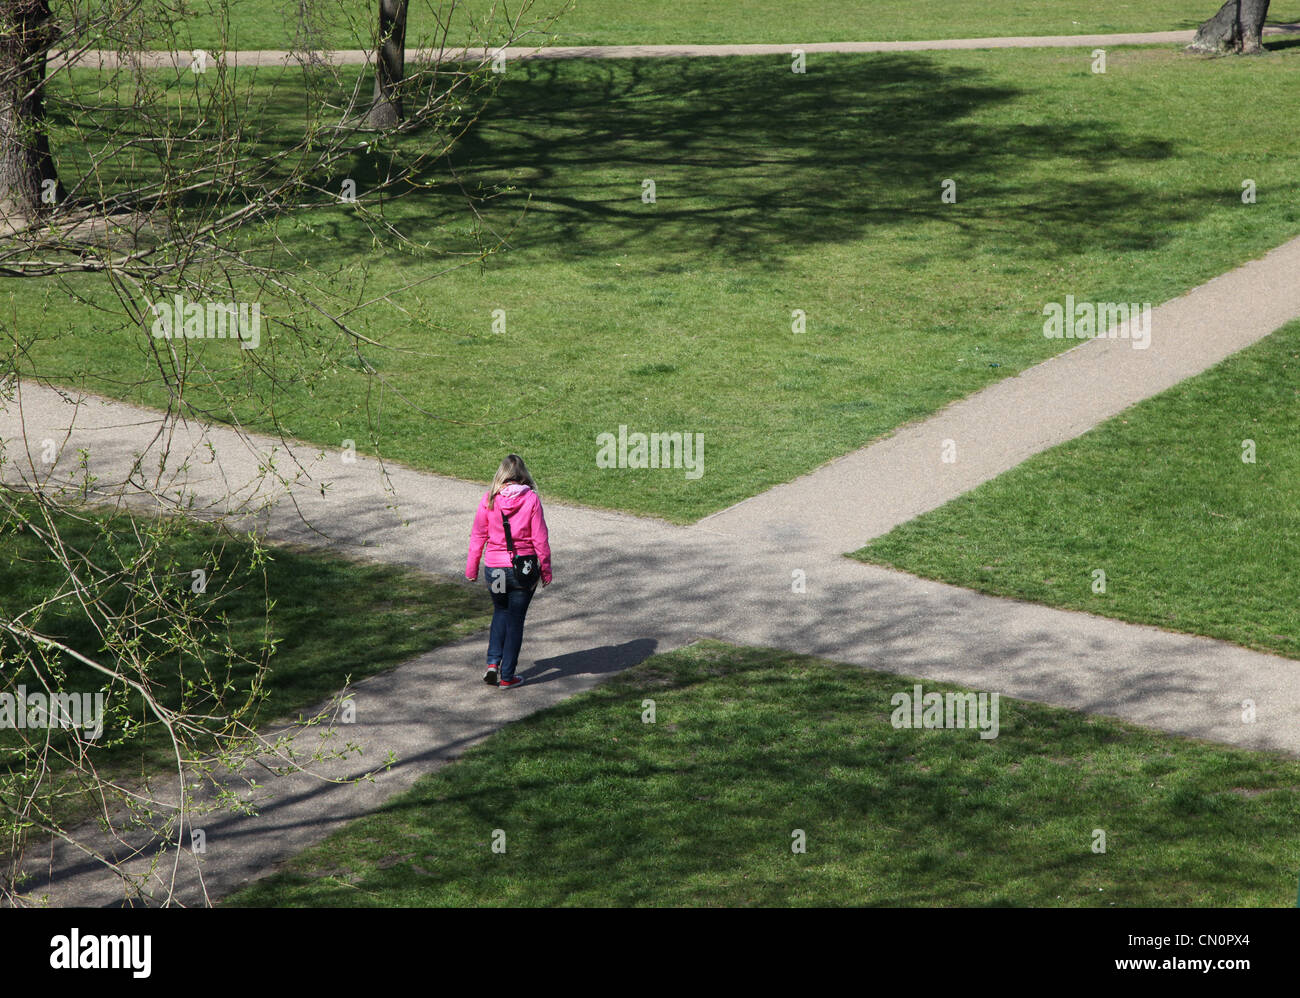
509	684
490	677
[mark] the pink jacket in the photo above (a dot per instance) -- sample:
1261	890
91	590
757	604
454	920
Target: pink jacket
527	529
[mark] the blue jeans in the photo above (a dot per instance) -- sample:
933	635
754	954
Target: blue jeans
510	601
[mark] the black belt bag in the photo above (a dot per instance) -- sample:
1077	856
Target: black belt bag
528	567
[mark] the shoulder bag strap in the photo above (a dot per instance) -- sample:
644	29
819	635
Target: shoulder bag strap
510	544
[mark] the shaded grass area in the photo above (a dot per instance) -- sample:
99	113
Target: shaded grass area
748	745
1190	537
328	619
351	23
774	193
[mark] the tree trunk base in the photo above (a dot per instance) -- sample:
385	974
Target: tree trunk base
1237	28
383	115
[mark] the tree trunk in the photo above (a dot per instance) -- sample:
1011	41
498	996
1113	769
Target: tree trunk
390	66
29	184
1237	27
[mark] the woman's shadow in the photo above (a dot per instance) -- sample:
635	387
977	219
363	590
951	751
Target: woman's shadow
593	661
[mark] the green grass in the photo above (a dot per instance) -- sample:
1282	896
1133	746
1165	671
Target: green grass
378	616
1189	536
775	192
699	808
351	23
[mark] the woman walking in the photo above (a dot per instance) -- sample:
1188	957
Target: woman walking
509	522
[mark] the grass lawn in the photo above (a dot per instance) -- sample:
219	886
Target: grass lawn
1190	536
775	192
352	23
599	808
378	617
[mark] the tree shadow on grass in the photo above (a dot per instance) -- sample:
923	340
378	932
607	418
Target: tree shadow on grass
753	161
750	162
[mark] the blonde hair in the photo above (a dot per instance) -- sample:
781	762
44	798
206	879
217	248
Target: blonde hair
512	469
